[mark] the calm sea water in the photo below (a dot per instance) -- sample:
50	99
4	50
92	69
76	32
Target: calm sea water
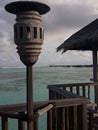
13	84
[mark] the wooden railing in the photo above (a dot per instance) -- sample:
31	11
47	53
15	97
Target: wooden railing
66	109
79	90
69	117
67	114
87	90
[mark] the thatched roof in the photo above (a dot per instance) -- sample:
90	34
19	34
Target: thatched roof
84	39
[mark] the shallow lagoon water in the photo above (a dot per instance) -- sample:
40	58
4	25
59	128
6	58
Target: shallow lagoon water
13	84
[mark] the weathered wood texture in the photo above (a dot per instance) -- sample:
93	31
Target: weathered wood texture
79	89
72	117
74	91
60	114
66	109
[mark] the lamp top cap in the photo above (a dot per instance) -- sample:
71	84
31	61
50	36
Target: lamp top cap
23	6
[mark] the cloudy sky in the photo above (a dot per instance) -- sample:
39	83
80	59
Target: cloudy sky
65	18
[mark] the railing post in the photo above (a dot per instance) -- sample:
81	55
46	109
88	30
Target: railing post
62	120
4	123
21	123
85	126
75	120
49	120
36	116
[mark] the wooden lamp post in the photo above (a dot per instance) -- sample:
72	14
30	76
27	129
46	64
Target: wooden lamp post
28	36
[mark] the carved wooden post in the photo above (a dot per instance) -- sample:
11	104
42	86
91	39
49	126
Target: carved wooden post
28	36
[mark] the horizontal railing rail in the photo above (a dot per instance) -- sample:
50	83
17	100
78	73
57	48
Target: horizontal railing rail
61	108
78	90
66	108
87	90
63	92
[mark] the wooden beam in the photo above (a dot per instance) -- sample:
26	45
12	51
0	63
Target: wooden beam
94	64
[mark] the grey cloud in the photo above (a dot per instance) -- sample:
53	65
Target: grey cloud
1	35
9	18
5	42
61	16
68	16
4	2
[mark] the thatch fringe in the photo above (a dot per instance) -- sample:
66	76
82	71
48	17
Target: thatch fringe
84	39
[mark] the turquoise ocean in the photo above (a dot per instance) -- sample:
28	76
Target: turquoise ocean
13	84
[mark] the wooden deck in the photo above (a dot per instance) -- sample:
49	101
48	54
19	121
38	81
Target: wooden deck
69	108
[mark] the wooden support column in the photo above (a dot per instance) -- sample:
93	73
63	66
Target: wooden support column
29	99
94	65
95	73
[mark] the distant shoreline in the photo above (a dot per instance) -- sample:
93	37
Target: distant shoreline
68	66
